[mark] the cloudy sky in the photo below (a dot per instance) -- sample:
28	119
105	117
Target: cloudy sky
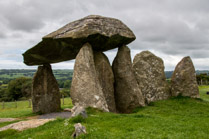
171	29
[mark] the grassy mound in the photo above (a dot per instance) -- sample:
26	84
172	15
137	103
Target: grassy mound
179	117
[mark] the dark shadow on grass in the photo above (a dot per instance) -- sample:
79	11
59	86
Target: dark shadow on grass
7	133
141	116
180	97
199	99
151	104
77	119
137	109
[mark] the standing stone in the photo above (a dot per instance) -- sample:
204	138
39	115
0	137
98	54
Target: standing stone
106	78
45	94
86	90
150	75
127	93
183	81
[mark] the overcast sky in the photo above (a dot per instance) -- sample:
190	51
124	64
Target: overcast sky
171	29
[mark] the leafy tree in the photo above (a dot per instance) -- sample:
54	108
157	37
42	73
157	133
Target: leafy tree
65	92
67	84
202	78
18	88
61	83
2	94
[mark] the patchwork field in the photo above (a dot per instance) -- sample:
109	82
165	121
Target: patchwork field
15	73
180	117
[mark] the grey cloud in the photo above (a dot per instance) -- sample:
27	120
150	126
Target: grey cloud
20	18
200	53
169	27
2	35
171	35
32	15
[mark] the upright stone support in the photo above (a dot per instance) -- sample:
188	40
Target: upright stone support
127	93
150	75
86	90
106	78
45	93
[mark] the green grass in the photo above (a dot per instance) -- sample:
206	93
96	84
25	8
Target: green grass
176	118
7	123
4	85
23	109
52	130
203	89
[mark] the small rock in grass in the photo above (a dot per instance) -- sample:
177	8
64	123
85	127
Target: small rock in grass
79	129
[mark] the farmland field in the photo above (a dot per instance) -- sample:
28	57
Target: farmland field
15	73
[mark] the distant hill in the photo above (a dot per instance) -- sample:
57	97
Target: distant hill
9	74
65	74
198	72
168	74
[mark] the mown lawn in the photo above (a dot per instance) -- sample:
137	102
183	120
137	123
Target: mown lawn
176	118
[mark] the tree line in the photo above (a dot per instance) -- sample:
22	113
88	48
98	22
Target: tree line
203	79
21	88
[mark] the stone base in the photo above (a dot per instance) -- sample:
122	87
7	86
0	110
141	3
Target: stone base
45	93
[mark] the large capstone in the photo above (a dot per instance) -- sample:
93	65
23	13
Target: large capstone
106	78
183	81
127	92
45	93
86	90
150	75
102	33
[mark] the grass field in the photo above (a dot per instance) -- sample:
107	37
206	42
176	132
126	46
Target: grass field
203	89
23	109
176	118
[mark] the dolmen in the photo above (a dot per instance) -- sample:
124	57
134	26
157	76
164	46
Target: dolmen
118	88
101	33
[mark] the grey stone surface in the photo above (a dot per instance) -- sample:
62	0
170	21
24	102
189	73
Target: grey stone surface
150	75
102	33
106	78
183	81
55	115
2	120
23	125
45	93
127	93
85	88
79	129
78	110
